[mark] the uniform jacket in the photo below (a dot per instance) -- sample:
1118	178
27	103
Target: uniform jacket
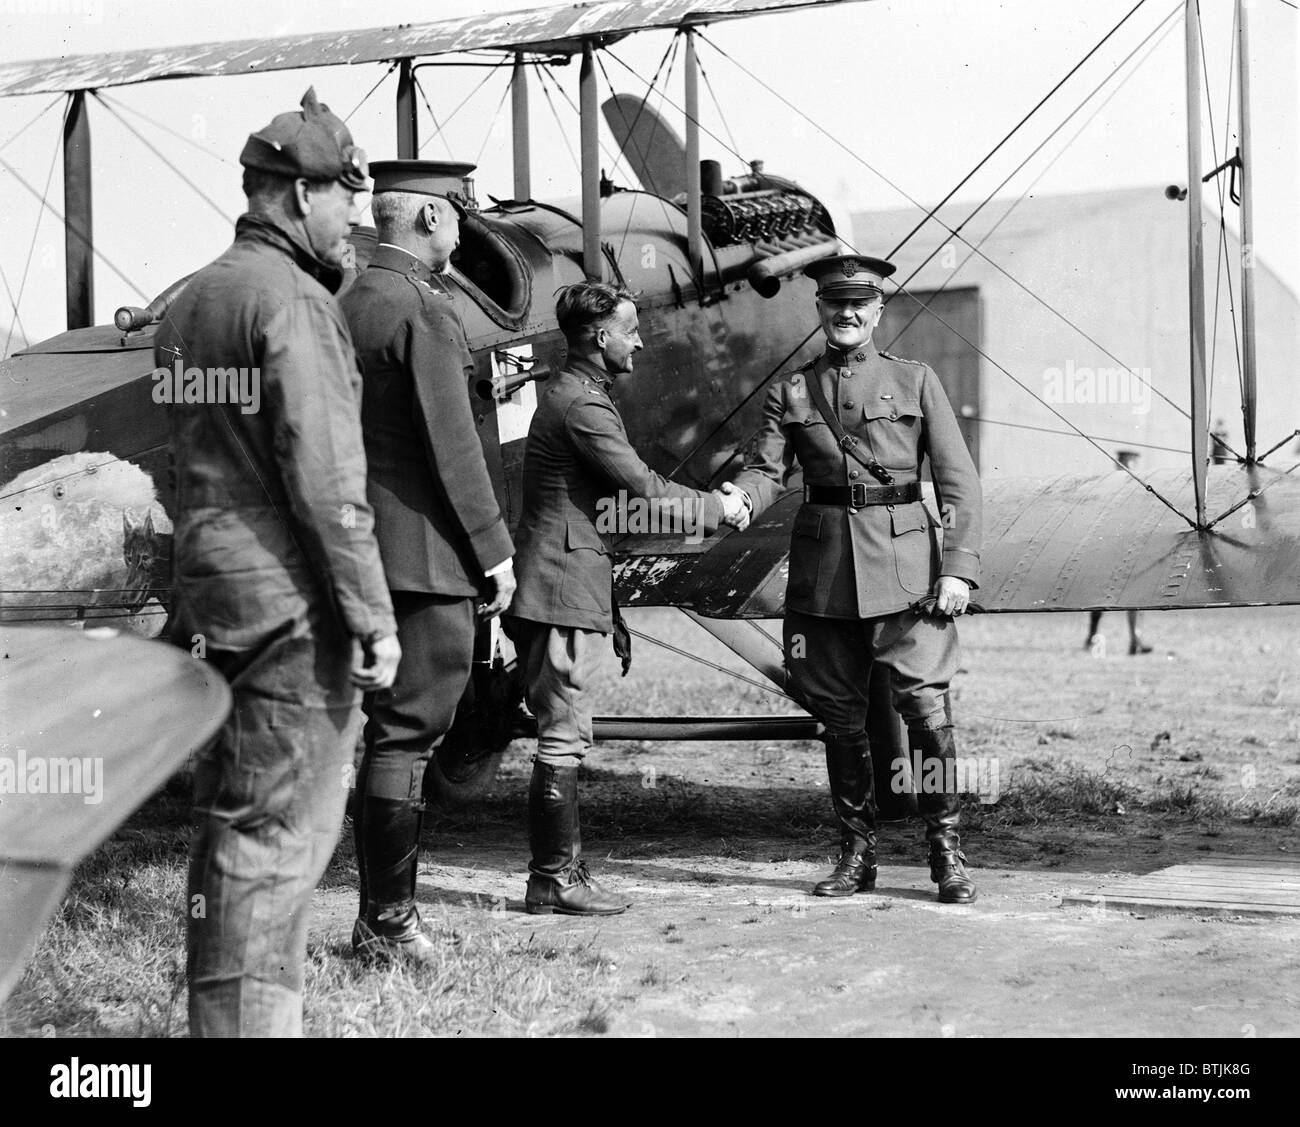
880	558
436	516
272	526
578	453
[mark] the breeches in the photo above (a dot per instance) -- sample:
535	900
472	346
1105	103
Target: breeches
406	722
557	663
268	805
829	664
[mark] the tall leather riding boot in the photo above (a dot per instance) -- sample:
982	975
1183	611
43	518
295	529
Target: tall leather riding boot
848	768
388	845
558	880
936	798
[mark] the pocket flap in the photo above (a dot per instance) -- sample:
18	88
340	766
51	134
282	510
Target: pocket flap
900	407
909	518
583	535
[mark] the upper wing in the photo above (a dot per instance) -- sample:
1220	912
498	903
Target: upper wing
1059	543
559	30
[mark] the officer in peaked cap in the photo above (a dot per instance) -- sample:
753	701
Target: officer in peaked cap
440	179
277	574
440	531
868	579
849	276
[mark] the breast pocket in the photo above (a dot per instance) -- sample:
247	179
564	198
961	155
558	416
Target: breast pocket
810	435
895	426
587	574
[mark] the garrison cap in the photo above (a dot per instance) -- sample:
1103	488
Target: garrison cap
310	142
849	275
448	179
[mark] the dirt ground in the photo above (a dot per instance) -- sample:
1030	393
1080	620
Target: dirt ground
717	845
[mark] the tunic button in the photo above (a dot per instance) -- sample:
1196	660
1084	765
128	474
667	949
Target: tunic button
893	414
848	404
853	473
890	508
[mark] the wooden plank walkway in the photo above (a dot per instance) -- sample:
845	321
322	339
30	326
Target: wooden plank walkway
1215	886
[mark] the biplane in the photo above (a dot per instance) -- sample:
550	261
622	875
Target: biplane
716	261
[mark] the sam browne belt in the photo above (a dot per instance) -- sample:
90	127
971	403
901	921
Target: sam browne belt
859	496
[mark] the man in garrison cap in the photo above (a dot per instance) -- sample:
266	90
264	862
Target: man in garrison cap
277	578
440	531
868	579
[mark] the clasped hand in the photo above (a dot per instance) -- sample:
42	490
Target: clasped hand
735	505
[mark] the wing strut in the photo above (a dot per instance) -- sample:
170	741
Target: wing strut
78	245
408	121
1248	397
519	126
1196	256
588	125
691	105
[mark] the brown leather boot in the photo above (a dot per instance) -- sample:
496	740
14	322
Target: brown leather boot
388	844
940	809
558	880
848	768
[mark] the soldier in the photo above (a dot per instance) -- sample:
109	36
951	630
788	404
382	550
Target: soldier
864	556
277	575
440	531
578	456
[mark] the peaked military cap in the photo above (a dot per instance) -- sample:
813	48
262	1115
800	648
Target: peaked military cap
849	275
310	142
447	179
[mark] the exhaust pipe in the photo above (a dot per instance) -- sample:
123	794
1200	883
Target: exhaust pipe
765	274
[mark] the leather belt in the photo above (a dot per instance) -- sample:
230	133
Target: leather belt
861	495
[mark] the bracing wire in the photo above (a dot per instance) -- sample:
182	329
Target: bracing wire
631	211
36	230
159	154
49	106
1222	267
59	216
18	320
463	102
165	128
901	287
478	159
437	129
391	67
671	49
976	248
564	135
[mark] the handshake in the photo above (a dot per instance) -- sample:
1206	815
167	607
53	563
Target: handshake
736	506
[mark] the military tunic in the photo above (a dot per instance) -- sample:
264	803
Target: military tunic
578	453
276	573
436	516
854	572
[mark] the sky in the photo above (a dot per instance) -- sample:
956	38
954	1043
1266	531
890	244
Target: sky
873	105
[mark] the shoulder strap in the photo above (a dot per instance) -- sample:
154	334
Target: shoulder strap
846	441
